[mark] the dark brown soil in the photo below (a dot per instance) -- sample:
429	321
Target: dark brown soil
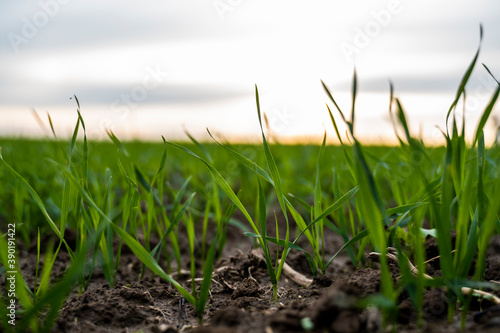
241	298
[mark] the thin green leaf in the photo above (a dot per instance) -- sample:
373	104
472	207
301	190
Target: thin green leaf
207	278
486	114
465	78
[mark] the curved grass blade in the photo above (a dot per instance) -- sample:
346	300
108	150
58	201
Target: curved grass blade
362	234
335	125
403	209
402	120
278	186
465	78
271	163
201	147
333	101
487	229
117	142
489	72
354	93
150	262
318	200
486	115
38	201
391	116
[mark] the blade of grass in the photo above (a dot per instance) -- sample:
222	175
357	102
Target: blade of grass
354	94
443	222
334	103
346	155
487	229
273	168
188	222
278	186
486	114
207	278
402	120
150	262
34	195
465	78
261	218
201	147
319	235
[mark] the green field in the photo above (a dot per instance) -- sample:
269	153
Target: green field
379	199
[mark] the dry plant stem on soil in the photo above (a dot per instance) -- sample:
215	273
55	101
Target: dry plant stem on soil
392	257
289	272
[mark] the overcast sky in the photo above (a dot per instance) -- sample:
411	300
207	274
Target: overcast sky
151	68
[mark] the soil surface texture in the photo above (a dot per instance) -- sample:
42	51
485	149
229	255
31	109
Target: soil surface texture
241	297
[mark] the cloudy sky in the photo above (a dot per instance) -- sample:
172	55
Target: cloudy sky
152	68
